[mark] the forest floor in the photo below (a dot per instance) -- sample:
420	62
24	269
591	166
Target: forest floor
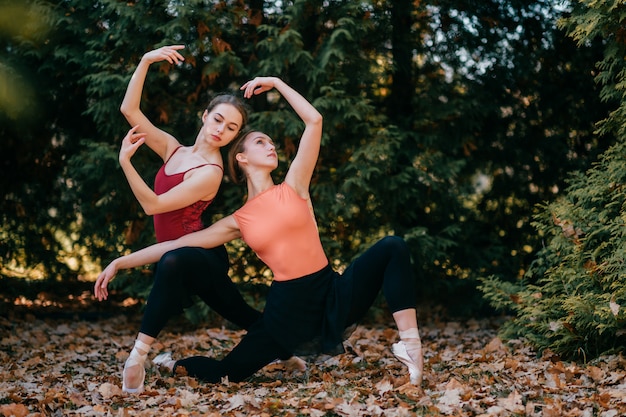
63	355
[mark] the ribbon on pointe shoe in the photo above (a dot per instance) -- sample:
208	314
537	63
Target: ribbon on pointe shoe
409	351
415	370
136	359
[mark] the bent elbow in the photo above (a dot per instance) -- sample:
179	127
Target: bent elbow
317	119
150	211
129	112
125	110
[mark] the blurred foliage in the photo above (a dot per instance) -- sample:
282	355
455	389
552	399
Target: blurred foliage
572	298
445	122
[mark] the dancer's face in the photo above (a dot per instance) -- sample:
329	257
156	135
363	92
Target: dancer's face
222	124
259	151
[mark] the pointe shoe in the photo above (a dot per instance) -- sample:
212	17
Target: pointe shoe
136	359
294	364
415	369
164	360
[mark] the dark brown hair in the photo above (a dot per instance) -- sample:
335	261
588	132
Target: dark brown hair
233	100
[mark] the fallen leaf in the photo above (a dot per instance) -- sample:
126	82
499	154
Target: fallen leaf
17	410
384	386
108	390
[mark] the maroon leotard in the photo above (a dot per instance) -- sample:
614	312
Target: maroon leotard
176	223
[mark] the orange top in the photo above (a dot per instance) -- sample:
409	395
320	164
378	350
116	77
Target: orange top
280	227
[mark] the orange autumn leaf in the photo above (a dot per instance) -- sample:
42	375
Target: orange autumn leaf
16	410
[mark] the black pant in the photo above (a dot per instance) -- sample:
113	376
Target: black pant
188	271
256	349
386	264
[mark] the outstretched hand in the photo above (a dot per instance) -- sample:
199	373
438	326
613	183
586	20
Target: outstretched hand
258	86
167	53
131	142
100	289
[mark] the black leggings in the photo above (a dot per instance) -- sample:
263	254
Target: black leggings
188	271
386	264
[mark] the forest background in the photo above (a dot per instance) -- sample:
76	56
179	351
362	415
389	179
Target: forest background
487	133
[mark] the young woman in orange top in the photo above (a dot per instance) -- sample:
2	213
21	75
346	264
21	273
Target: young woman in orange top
309	306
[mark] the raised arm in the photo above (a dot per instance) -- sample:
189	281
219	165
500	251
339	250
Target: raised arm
217	234
302	166
161	142
196	187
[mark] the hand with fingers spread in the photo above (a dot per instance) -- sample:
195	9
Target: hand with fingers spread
258	86
167	53
131	142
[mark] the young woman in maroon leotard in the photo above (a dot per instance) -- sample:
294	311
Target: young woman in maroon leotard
184	186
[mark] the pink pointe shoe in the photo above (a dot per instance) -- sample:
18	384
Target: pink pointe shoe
294	364
164	360
136	359
415	366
